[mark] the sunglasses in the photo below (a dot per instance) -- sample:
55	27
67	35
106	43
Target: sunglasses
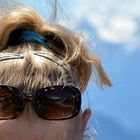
51	103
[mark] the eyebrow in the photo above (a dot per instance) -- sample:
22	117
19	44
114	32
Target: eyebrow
9	56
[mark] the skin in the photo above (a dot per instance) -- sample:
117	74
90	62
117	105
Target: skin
31	127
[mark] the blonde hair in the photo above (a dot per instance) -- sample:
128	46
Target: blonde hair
34	72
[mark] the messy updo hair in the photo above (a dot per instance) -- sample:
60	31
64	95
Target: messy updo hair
34	72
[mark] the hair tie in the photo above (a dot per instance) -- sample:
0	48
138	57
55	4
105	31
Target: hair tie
30	36
22	36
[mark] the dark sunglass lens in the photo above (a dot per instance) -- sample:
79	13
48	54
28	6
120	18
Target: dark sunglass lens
11	103
69	92
55	103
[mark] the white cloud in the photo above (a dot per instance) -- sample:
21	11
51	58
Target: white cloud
114	21
117	29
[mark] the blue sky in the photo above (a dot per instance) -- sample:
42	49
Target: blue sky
114	27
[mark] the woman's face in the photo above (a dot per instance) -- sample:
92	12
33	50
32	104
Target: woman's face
31	127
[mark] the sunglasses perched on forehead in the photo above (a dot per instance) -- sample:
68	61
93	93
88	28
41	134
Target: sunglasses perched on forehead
51	103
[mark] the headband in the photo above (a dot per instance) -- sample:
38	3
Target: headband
22	36
8	56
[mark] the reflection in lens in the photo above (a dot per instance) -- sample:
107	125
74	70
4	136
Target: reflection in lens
54	104
10	105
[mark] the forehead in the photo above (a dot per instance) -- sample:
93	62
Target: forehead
39	130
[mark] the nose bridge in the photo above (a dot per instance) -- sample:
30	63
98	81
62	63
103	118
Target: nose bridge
28	114
29	97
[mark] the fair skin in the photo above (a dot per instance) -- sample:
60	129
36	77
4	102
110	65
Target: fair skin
31	127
